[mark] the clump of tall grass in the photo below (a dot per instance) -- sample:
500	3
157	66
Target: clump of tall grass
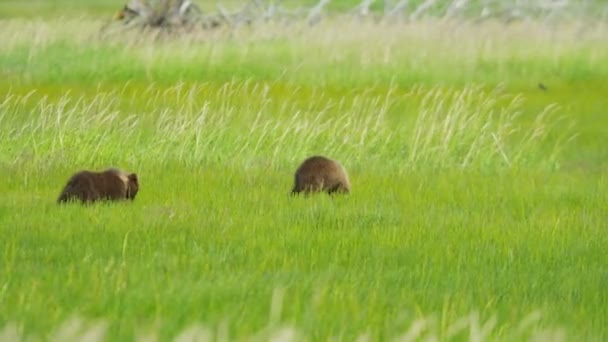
243	122
473	127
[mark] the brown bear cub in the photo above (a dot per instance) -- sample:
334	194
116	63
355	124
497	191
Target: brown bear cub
320	174
91	186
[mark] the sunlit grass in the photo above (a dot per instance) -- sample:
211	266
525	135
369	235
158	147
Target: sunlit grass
477	199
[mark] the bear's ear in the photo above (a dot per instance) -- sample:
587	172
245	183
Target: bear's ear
133	177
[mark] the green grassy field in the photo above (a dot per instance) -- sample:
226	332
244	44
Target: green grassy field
478	208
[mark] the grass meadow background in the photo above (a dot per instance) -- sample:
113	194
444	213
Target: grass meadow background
479	202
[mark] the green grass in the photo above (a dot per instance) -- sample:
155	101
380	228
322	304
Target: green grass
478	199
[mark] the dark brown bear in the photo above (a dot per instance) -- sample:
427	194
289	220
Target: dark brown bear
321	174
108	185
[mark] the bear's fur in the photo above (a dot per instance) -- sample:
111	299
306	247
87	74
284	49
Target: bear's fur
321	174
91	186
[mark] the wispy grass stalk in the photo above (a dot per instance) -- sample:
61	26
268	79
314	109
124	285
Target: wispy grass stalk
463	129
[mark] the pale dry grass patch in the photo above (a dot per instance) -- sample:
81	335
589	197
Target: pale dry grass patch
40	33
336	39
